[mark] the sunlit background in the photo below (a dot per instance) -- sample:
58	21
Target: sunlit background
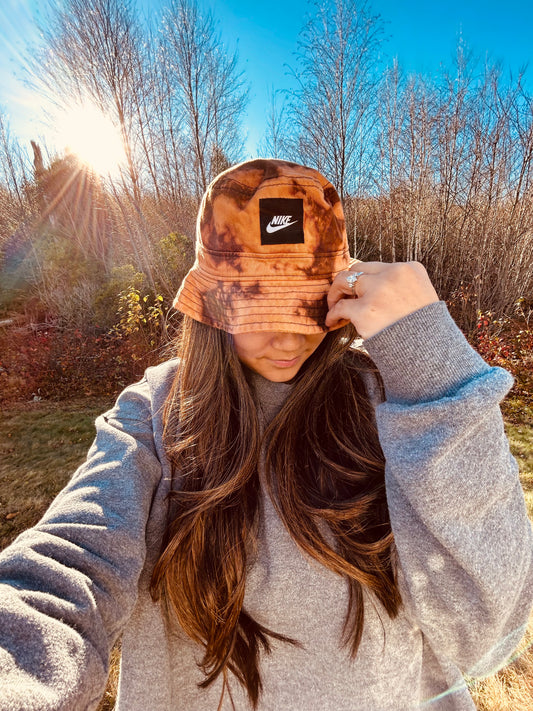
85	131
99	195
420	34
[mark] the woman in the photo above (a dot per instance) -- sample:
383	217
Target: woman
267	521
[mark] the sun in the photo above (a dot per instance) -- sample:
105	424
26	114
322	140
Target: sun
85	131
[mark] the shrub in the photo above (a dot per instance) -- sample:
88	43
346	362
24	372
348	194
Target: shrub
508	342
66	281
55	363
173	257
107	301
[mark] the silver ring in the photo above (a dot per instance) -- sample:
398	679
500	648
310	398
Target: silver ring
351	278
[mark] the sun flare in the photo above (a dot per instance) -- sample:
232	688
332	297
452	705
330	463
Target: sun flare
85	131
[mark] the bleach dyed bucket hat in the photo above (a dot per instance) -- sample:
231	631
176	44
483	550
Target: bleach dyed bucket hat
270	238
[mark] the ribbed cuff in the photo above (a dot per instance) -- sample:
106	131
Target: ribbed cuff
424	356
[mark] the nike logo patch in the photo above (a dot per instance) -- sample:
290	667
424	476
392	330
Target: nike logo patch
279	222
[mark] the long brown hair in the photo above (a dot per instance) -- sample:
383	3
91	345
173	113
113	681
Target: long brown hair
323	465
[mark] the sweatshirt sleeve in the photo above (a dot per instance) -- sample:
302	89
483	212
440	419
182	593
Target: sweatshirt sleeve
462	535
68	585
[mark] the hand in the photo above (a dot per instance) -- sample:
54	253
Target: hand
382	295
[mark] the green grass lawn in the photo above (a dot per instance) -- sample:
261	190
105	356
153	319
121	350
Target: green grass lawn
41	445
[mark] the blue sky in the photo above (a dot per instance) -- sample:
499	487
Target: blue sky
421	35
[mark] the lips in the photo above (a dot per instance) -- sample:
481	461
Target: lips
285	363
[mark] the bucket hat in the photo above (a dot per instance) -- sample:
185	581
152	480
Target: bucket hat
270	238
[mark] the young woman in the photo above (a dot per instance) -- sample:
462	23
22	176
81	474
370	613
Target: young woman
270	520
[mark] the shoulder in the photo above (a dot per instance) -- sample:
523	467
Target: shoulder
159	378
145	398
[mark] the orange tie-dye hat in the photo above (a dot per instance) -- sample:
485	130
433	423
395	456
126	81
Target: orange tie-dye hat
270	238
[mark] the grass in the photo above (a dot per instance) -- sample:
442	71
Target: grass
42	443
519	428
511	689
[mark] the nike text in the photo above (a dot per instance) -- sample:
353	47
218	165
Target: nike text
279	222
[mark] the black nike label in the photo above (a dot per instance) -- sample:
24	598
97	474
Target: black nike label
281	220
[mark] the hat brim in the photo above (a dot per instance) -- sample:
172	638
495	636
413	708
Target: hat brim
299	305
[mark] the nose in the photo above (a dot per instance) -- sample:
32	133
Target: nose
288	342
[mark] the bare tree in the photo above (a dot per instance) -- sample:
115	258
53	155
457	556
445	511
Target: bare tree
161	127
207	86
91	50
13	167
331	108
453	169
403	165
17	199
337	75
276	140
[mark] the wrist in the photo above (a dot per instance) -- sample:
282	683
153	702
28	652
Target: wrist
423	356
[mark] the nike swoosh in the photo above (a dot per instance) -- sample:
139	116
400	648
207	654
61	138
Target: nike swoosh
274	228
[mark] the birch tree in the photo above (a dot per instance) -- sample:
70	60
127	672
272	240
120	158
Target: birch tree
91	50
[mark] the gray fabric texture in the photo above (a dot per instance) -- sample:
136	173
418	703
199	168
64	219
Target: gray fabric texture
76	581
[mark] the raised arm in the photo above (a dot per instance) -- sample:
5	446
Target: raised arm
457	510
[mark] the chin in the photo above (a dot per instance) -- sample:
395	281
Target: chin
281	375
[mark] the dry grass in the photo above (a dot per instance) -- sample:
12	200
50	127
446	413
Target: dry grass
512	688
108	700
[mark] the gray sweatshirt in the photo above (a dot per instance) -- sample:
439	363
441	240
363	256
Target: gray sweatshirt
76	581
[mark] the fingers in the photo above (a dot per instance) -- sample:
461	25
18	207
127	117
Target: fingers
341	288
343	310
382	294
343	294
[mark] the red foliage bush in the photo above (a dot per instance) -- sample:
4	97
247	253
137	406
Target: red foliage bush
508	342
56	364
53	361
505	341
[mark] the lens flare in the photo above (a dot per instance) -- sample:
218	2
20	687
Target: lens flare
88	133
